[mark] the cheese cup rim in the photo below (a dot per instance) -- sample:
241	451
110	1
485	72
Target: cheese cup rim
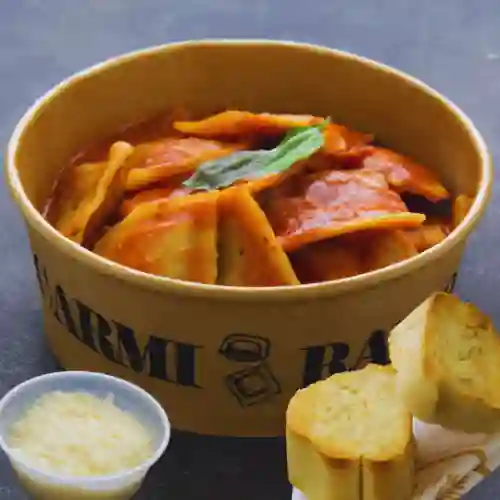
94	481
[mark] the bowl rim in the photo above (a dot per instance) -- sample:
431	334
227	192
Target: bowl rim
67	480
161	284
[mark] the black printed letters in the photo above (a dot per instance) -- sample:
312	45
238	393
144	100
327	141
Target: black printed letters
161	358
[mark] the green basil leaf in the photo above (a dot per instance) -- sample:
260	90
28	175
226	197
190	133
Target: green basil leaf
223	172
298	144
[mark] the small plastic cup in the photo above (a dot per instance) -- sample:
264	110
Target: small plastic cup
127	396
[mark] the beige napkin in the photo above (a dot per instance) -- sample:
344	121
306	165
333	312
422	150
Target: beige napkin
449	463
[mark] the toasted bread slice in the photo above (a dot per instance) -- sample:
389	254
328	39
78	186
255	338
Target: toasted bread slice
447	357
350	438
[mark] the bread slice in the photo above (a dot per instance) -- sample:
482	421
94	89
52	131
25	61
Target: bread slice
447	357
350	438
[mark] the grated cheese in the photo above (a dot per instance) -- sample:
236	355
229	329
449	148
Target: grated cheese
78	434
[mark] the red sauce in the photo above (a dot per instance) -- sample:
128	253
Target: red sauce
336	202
347	188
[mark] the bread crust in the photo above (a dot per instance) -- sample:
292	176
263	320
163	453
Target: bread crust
389	480
318	476
328	428
432	381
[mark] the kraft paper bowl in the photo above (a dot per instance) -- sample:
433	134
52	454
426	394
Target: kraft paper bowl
225	361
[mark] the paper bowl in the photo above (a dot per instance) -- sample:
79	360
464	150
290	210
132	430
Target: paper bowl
225	361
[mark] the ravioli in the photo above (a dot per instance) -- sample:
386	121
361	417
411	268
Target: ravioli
235	123
238	124
404	174
74	184
176	238
328	204
384	248
157	161
249	254
460	208
352	254
172	188
333	206
95	192
328	260
427	235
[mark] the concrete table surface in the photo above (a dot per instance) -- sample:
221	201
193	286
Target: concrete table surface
454	45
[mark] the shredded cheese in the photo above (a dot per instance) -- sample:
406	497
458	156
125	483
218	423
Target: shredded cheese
78	434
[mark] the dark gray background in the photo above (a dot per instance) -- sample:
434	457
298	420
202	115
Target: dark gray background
454	45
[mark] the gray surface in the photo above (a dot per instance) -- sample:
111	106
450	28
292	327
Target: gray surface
452	44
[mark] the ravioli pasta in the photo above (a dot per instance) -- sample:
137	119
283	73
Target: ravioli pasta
251	199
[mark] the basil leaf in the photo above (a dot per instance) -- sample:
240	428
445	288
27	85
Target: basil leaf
227	170
298	144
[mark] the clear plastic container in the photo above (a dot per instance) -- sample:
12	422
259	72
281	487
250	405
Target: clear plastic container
127	396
